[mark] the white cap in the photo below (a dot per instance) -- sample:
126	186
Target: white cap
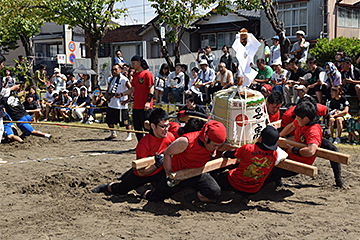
301	32
300	87
203	62
56	70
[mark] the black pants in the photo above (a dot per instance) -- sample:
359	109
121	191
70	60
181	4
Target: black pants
204	183
130	181
278	173
223	181
139	117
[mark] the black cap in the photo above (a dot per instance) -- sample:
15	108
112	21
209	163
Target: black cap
346	59
270	137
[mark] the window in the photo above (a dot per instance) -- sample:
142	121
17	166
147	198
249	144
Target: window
348	17
294	17
208	39
225	38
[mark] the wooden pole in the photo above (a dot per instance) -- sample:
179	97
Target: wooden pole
78	126
320	152
221	163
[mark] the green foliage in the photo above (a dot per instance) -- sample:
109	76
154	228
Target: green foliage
324	51
18	22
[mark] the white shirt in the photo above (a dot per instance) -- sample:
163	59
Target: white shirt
49	96
60	83
275	54
116	102
279	77
173	82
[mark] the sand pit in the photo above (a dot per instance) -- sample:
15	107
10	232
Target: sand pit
46	194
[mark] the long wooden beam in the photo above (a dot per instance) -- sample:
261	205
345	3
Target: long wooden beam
78	126
221	163
320	152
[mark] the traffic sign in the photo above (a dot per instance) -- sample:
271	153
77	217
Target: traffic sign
72	57
72	46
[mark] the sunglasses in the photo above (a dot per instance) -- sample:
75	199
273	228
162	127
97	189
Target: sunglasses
167	126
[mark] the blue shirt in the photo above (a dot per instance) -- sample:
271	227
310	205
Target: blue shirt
207	76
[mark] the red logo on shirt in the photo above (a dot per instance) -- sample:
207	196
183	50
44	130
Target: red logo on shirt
241	120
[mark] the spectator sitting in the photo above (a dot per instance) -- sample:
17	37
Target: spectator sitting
70	84
87	82
98	103
207	56
32	90
82	101
300	49
40	77
8	81
266	90
224	79
351	126
190	104
227	59
175	84
48	96
161	80
184	68
279	76
295	73
59	80
264	74
54	107
32	107
301	92
75	94
313	84
333	79
350	78
339	110
65	104
10	130
194	90
205	78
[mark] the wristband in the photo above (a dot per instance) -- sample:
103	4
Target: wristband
149	97
296	151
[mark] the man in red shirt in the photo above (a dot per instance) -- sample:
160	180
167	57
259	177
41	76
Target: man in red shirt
152	144
309	132
143	89
255	163
192	150
273	105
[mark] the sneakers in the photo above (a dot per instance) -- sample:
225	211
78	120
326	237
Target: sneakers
128	138
102	188
112	136
331	139
91	118
45	120
337	141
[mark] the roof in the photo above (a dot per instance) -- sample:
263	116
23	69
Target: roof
252	15
147	26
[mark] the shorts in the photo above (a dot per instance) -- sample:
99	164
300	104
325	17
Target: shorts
350	125
315	89
8	129
26	128
113	117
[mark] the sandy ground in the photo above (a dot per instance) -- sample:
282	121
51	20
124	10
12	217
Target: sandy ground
45	193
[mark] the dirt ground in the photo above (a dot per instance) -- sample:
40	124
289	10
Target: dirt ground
45	193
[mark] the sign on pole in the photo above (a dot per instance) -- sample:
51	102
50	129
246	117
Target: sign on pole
61	58
162	32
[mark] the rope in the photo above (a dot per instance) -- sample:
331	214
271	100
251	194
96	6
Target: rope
78	126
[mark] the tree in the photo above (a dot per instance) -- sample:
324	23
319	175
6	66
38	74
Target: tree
94	16
18	21
325	51
178	15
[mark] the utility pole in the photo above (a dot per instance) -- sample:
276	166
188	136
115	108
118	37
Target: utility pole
144	10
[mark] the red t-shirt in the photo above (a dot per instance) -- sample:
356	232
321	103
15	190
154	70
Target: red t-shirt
289	116
141	82
149	145
254	167
274	117
174	129
194	156
307	135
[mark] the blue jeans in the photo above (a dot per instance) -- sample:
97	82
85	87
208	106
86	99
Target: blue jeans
175	91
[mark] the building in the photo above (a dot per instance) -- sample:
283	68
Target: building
317	18
214	30
123	38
